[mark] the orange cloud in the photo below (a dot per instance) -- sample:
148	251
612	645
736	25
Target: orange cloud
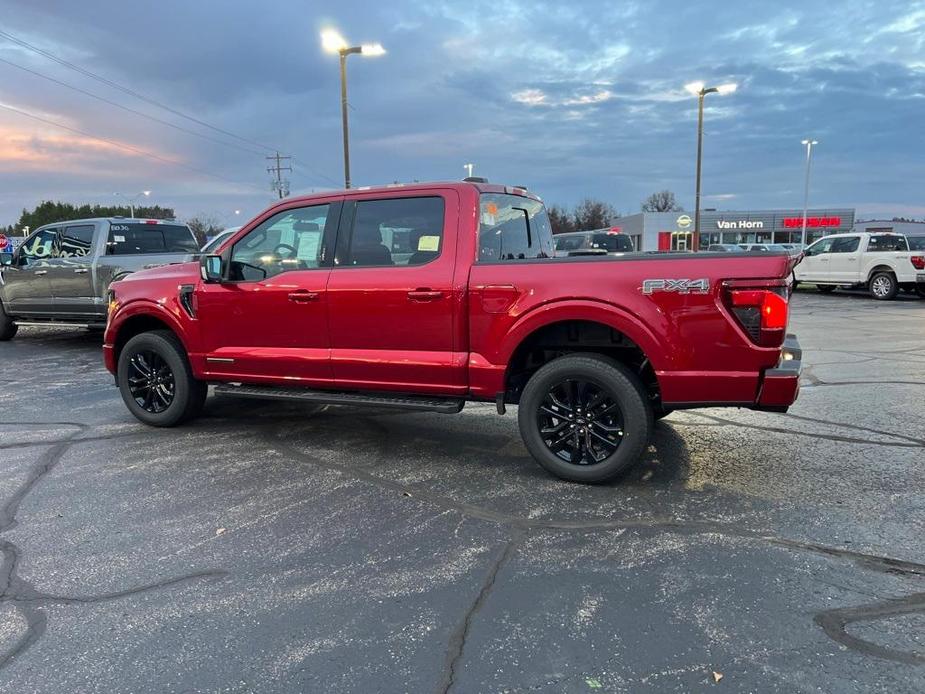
21	149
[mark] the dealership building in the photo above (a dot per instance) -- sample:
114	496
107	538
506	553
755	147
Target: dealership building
664	231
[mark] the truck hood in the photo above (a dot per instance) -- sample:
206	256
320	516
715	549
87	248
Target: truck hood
180	272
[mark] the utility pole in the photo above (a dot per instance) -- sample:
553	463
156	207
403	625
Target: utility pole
280	184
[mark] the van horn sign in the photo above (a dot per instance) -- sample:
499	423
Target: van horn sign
739	224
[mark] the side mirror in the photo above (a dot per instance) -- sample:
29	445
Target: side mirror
6	259
210	267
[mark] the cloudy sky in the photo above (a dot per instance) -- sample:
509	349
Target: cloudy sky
572	99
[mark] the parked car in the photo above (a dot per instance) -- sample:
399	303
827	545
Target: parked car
218	239
61	272
595	242
880	262
308	303
725	248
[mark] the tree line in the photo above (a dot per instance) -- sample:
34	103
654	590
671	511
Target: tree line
596	214
587	214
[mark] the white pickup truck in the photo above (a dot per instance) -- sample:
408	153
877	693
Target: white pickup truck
882	263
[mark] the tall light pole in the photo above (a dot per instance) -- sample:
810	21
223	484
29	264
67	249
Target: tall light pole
468	168
809	144
131	199
701	90
333	42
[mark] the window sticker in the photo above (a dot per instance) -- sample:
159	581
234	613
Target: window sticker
118	239
429	243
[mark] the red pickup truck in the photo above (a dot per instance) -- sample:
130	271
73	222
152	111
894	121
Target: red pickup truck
426	296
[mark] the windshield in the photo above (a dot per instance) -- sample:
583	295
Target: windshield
140	239
612	242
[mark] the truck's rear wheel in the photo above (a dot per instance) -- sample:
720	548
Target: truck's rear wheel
883	286
8	328
585	418
156	381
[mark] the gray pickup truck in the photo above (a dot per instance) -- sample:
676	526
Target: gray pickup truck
61	273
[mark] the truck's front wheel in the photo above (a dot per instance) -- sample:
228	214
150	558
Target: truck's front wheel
585	418
156	381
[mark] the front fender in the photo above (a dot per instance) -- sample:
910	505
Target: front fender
157	310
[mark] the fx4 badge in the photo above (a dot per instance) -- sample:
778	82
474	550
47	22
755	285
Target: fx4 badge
701	286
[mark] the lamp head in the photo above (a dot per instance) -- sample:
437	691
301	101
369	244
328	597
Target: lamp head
332	41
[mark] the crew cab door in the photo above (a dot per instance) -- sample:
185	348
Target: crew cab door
267	321
71	274
394	310
844	263
816	262
27	290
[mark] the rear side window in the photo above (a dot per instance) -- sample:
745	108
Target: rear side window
570	242
77	241
513	228
141	239
395	231
613	242
916	243
891	242
846	245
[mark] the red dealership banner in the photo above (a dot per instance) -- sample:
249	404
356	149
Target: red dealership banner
811	222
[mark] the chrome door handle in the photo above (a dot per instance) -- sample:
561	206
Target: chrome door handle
303	296
425	295
80	271
41	272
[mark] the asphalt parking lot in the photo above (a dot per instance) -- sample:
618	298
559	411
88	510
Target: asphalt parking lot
265	549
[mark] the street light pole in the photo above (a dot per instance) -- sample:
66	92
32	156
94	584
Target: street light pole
335	43
131	201
809	161
701	91
701	94
468	168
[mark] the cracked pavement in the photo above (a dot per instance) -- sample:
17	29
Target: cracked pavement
263	548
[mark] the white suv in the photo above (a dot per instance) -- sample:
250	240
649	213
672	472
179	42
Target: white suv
880	262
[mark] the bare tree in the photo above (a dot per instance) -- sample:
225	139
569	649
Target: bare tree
204	227
594	214
560	220
662	201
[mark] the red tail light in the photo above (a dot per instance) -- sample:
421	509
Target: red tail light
762	313
918	262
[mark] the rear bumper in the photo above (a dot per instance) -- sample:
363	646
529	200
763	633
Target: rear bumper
780	386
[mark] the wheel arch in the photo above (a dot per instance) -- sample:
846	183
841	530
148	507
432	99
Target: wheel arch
878	269
142	317
580	326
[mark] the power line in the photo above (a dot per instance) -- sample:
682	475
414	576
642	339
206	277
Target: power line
132	110
129	91
121	145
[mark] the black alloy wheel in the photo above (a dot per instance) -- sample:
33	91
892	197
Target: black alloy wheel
156	381
580	421
585	417
151	381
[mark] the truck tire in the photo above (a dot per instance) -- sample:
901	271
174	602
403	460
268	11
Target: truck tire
598	399
920	290
8	328
883	286
156	381
826	288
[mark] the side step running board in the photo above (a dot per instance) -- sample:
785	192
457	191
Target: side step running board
393	400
